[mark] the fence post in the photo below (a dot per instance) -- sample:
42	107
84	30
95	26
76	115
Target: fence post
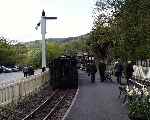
1	95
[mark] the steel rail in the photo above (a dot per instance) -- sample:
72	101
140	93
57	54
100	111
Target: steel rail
55	107
39	107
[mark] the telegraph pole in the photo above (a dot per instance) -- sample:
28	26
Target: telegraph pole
43	32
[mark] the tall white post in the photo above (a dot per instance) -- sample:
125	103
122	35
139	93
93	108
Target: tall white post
43	51
43	32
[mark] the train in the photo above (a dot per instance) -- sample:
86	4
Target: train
63	73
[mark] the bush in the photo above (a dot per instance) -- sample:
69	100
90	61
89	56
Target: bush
139	104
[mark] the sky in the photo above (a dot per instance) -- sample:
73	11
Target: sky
18	18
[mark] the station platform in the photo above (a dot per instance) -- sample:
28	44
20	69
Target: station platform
97	101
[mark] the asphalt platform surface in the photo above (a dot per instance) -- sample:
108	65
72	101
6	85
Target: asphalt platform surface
97	101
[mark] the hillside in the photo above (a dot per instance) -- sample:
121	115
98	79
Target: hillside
36	43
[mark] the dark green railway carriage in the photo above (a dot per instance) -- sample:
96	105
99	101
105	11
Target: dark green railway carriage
63	73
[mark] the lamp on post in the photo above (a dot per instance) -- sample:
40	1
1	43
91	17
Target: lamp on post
43	32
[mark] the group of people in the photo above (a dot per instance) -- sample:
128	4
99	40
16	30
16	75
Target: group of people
119	69
27	71
127	70
92	69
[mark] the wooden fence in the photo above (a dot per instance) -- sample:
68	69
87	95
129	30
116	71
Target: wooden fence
17	90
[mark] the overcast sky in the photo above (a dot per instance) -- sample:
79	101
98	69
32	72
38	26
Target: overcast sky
18	18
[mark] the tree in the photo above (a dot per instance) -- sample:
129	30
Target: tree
101	35
34	58
76	46
125	24
54	50
21	53
7	52
132	20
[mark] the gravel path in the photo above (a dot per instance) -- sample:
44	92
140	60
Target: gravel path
97	101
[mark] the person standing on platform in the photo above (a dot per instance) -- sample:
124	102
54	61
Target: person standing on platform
102	69
118	71
25	71
93	70
129	71
43	69
30	70
88	69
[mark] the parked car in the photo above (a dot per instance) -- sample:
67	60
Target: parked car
14	68
6	70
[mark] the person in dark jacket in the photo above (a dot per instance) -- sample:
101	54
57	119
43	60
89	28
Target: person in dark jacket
102	69
129	71
25	71
93	70
118	71
88	69
43	69
30	70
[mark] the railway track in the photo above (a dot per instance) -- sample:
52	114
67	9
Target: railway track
48	107
52	108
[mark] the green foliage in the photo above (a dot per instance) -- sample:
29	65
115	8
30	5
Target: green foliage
100	42
72	48
139	107
34	58
21	53
54	50
133	25
7	52
30	53
12	54
126	24
7	56
101	37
